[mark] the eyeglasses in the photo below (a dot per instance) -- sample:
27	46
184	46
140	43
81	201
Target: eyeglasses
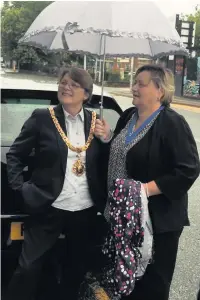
71	85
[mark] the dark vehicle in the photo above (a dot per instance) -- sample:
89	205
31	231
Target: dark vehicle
17	104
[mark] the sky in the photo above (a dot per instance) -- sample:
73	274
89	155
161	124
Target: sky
172	7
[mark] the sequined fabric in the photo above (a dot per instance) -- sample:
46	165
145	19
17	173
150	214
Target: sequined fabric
126	235
124	250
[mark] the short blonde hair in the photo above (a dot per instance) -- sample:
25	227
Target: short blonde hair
162	78
168	87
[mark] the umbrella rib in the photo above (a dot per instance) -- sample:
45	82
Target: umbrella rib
152	54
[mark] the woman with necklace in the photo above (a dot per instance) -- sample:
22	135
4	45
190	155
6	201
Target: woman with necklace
67	187
154	145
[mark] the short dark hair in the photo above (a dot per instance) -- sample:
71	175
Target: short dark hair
80	76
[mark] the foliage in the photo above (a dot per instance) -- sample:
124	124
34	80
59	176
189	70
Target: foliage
16	18
195	18
191	89
114	77
26	55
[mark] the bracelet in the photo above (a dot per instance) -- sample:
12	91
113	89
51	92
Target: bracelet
147	190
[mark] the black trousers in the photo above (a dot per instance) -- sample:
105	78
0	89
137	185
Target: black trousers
41	234
155	284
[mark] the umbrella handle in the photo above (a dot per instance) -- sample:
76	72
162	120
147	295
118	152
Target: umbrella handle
102	86
101	103
101	112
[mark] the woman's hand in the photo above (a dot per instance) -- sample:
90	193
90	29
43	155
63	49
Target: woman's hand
151	189
102	129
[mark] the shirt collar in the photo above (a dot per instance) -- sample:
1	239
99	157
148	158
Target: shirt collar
80	115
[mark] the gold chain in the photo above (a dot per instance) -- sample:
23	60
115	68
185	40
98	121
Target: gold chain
65	138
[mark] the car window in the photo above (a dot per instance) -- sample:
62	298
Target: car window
26	101
16	111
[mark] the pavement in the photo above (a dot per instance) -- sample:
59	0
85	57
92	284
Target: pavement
125	92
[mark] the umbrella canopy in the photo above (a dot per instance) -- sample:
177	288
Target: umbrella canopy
105	28
119	46
136	28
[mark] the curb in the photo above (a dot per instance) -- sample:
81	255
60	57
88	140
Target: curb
175	101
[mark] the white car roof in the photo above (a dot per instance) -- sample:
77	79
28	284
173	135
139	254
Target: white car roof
29	84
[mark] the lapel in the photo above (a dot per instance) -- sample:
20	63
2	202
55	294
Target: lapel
87	125
61	144
87	122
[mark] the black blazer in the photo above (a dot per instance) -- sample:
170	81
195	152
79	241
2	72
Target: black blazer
171	160
45	185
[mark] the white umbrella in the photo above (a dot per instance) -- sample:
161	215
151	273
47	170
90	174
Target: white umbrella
118	46
136	28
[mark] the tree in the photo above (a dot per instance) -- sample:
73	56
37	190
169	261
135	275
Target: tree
26	55
16	18
195	18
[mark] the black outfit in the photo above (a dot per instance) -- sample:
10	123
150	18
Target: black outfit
45	185
168	155
46	222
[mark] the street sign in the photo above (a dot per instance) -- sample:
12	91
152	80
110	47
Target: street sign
186	30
